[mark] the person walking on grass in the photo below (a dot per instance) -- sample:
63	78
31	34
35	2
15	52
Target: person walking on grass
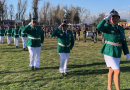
8	33
115	42
78	33
65	44
34	42
23	35
15	34
2	32
84	29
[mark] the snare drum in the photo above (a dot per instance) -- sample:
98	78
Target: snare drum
89	33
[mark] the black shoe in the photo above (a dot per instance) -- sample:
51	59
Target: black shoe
16	46
32	68
35	68
62	74
24	49
66	73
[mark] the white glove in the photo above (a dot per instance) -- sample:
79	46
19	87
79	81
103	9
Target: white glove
127	57
108	17
59	27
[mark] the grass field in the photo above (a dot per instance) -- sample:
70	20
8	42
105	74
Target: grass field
86	67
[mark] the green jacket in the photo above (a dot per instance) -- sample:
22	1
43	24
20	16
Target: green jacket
20	32
2	32
8	32
15	32
35	36
112	34
64	40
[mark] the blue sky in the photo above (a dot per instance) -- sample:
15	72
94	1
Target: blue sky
95	6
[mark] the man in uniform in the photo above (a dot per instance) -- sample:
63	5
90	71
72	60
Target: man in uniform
74	32
47	32
65	44
15	32
51	30
78	32
8	33
23	35
34	42
94	32
2	31
84	29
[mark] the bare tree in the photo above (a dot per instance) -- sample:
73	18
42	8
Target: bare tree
61	14
74	10
83	14
35	8
5	14
21	7
45	12
2	2
100	17
11	11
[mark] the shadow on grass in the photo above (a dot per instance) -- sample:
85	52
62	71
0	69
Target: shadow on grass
88	72
13	51
23	81
124	62
86	65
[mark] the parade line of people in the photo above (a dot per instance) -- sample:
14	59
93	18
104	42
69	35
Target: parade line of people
33	37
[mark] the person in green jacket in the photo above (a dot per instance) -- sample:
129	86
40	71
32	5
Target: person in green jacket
115	42
8	33
15	34
65	44
34	42
23	35
2	31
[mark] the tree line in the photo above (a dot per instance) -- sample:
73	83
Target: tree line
49	14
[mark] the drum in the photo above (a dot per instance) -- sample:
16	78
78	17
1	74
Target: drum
89	34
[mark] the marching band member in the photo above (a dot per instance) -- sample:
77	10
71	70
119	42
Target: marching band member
34	42
65	44
8	33
2	31
15	34
115	42
23	35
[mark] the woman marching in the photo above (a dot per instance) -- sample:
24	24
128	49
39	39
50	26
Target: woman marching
115	42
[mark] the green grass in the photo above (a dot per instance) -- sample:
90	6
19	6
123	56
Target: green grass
86	67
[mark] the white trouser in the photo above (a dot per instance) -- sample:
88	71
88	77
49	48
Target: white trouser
24	41
16	41
63	62
8	39
34	56
2	39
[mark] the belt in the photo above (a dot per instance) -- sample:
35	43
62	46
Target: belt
16	34
63	45
114	44
33	38
8	33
